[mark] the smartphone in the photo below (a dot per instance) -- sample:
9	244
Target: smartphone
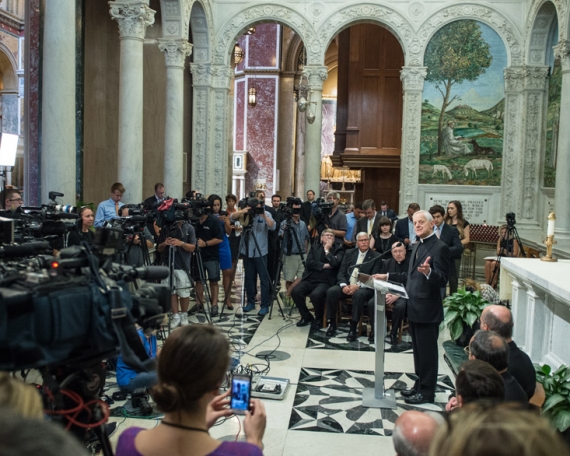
241	393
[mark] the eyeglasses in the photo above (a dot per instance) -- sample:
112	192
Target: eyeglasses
363	240
19	200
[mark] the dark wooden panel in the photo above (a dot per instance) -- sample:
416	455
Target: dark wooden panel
370	112
372	43
381	184
393	51
391	131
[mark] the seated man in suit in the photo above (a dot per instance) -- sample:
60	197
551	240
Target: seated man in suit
321	269
405	227
360	260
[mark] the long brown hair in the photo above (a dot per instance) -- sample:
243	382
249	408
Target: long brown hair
460	219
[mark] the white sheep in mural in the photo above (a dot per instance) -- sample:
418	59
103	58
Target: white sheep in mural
443	170
474	165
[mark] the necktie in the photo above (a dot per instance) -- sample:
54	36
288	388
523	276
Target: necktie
117	208
438	231
354	276
370	222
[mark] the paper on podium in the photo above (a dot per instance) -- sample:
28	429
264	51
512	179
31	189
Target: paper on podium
382	286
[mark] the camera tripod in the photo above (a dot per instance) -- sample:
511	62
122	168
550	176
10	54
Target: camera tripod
511	234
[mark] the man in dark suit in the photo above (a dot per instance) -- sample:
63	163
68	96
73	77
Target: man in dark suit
321	269
427	273
371	220
450	236
405	227
307	207
152	202
359	260
385	211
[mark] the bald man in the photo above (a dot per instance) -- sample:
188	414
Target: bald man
413	433
500	320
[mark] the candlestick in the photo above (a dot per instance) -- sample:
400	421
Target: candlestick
549	243
551	221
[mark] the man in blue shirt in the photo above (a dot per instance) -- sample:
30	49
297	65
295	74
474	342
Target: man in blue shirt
128	379
255	261
109	209
351	219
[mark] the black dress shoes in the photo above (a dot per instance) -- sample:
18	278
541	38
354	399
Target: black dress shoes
351	336
393	340
304	322
371	337
317	323
331	332
409	392
417	399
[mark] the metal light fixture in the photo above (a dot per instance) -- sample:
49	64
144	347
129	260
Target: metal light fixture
302	93
252	95
250	31
311	117
238	54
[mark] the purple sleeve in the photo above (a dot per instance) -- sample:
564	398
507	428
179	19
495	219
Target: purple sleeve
126	443
235	449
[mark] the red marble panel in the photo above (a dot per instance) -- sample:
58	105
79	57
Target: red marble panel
239	115
263	46
261	133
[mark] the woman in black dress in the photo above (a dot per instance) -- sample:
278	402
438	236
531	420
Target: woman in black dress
383	239
83	231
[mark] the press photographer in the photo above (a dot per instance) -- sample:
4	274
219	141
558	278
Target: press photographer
257	223
138	238
328	215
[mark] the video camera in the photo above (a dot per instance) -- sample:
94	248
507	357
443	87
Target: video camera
252	202
322	209
287	208
511	219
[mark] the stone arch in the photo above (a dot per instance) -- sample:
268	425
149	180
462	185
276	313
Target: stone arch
363	13
201	26
504	27
8	66
538	9
256	15
539	30
293	49
173	18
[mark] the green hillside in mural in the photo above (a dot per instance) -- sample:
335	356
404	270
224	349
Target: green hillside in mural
463	109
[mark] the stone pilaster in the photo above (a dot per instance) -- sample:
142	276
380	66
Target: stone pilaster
58	168
413	85
175	53
562	208
201	76
132	18
317	76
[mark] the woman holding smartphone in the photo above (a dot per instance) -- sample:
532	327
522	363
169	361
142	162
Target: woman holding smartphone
191	367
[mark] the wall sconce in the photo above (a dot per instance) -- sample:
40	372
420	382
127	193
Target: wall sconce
302	93
250	31
252	97
238	54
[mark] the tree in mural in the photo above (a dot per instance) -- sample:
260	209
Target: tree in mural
455	54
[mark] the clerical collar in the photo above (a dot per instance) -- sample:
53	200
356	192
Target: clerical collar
427	237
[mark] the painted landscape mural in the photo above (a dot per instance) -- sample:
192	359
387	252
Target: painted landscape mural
463	108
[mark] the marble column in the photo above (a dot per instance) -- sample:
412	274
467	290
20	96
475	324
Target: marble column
201	75
285	134
512	175
317	76
413	85
133	18
58	170
562	208
175	53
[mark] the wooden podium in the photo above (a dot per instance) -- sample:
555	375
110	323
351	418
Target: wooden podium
379	397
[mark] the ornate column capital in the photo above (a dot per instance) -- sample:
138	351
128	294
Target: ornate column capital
562	52
221	76
514	78
535	77
133	18
316	75
413	78
201	74
175	51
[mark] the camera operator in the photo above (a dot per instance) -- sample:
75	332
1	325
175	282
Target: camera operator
208	234
129	379
12	199
109	209
336	220
273	249
134	248
293	267
83	230
255	260
183	239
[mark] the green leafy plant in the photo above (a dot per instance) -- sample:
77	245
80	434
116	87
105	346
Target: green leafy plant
557	389
460	309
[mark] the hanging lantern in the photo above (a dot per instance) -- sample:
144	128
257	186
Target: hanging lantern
252	98
238	54
250	31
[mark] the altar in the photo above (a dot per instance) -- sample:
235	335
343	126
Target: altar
539	293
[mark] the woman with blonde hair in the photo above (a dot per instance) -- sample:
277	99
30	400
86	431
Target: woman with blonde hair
20	397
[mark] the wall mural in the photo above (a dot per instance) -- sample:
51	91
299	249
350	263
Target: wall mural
463	108
553	115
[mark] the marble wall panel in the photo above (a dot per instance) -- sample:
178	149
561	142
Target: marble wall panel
262	47
261	133
328	128
240	97
10	114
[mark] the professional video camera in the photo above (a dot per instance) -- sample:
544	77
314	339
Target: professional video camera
287	208
322	209
511	219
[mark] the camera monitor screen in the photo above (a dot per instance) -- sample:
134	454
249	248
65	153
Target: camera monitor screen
241	393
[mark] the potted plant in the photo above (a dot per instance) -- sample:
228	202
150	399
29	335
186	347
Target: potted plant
557	391
461	311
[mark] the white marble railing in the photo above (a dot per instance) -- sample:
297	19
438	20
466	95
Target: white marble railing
540	295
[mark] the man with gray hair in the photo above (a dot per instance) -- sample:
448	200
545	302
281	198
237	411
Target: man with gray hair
413	433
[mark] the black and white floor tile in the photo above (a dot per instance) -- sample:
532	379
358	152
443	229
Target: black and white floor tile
239	330
330	400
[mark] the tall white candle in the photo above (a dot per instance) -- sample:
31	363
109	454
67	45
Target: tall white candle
550	229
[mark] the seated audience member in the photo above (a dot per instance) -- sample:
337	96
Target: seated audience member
191	368
501	430
490	347
500	320
477	380
506	247
127	378
413	433
20	398
397	270
109	209
83	230
382	238
320	274
21	436
385	211
488	293
347	280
